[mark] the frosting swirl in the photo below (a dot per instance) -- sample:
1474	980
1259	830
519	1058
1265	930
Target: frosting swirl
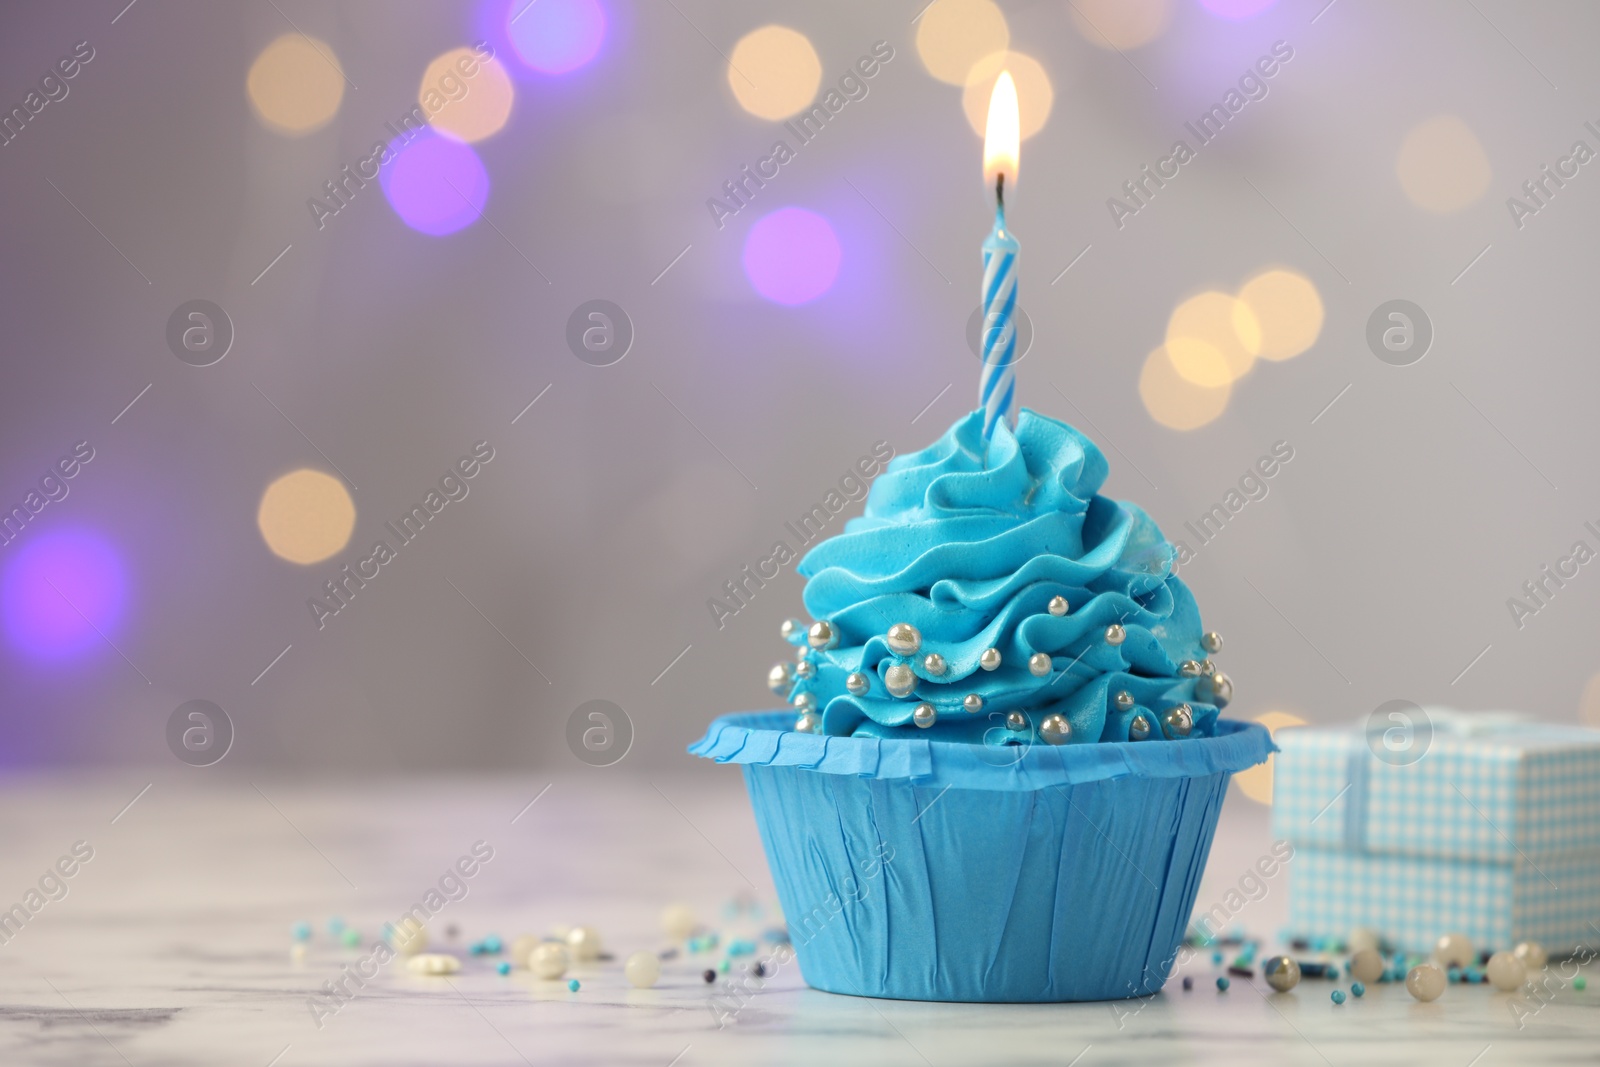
970	545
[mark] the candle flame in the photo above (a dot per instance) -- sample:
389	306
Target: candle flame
1002	133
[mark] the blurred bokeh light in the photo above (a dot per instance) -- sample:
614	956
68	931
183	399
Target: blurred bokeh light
1035	95
466	96
435	184
1286	310
774	72
1174	401
1120	24
953	35
556	36
792	256
1256	782
63	594
306	516
295	84
1442	165
1212	339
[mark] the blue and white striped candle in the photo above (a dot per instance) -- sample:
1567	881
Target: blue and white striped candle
998	386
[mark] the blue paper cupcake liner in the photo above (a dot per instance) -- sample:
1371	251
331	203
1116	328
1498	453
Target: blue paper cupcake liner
921	870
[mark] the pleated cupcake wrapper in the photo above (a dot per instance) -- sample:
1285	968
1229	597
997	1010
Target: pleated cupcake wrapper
919	870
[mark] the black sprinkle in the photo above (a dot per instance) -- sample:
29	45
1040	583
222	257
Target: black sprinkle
605	957
709	976
1188	983
1483	957
1242	972
758	969
1300	944
668	954
452	931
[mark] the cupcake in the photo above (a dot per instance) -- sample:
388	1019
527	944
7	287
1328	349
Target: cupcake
1004	763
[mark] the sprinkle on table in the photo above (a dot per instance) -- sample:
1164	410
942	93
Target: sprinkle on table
573	985
1357	989
1338	996
1222	983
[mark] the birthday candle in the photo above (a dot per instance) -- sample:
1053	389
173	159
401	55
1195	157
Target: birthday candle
997	386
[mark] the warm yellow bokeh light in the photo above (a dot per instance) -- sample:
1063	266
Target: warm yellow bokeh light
1256	782
1035	96
1174	401
952	35
1120	24
774	72
1212	339
296	84
1442	166
465	96
1589	702
1287	311
306	516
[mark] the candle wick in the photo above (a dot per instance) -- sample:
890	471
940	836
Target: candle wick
1000	189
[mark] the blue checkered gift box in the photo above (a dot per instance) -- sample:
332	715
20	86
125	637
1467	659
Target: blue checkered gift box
1483	824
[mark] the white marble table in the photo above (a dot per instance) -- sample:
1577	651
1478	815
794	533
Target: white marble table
172	945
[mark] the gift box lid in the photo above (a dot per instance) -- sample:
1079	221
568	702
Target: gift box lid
1491	786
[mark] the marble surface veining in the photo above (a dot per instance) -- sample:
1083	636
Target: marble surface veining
172	944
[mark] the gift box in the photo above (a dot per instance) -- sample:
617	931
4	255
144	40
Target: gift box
1435	822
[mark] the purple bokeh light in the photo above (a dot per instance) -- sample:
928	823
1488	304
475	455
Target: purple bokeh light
1236	9
555	36
791	256
436	185
60	592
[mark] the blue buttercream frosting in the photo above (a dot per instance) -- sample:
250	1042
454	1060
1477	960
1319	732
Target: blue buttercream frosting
969	543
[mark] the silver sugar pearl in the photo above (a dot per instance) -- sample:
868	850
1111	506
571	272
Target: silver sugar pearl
1058	606
990	659
904	639
1189	669
1039	664
1281	972
856	683
925	715
973	702
1215	689
1207	667
1178	721
1139	728
933	663
808	723
1123	699
802	651
1055	730
900	680
1115	634
1016	721
780	677
822	635
805	701
793	630
1212	642
805	670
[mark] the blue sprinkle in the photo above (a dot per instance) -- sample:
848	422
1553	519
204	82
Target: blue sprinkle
1473	975
476	948
301	931
491	944
1357	989
573	985
1338	996
1222	983
335	926
1454	974
1216	959
504	967
741	948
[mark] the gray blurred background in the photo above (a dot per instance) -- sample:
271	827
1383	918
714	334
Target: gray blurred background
579	566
